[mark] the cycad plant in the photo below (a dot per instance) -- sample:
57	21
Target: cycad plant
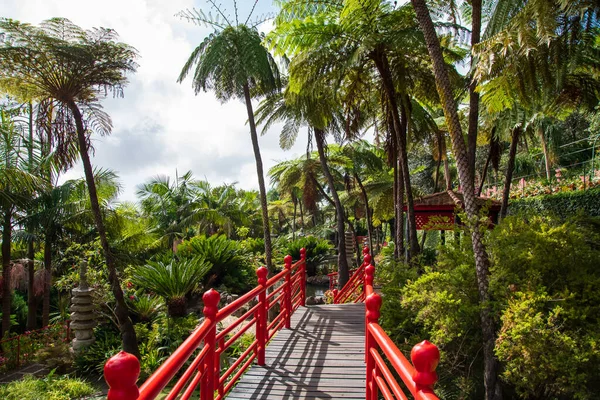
172	280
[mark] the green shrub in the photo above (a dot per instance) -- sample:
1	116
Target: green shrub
231	265
172	280
562	205
107	344
49	388
316	251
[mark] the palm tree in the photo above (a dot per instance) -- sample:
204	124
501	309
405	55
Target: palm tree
75	68
17	184
233	62
482	262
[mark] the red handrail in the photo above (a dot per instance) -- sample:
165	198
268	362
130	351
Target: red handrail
204	371
353	289
419	377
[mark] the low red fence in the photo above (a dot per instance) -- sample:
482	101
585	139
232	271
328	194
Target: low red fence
353	292
18	350
418	377
205	345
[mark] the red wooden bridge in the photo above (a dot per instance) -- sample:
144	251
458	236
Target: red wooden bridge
316	352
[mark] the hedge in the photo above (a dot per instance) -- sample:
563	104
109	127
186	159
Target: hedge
562	205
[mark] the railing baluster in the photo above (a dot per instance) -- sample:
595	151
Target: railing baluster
373	304
287	298
302	271
261	320
208	385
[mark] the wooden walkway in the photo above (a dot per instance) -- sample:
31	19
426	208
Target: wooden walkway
321	357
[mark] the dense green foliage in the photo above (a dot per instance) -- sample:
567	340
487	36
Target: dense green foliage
49	388
543	287
563	205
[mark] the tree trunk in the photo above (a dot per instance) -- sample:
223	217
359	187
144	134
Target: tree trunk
47	279
343	272
447	174
129	338
484	172
400	129
473	95
399	227
261	179
482	263
31	303
542	137
6	270
294	221
301	215
514	141
368	215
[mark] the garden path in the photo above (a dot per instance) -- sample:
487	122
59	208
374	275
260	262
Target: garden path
321	357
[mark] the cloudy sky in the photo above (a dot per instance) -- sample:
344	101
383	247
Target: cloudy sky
161	126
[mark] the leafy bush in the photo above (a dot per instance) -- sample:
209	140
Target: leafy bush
172	280
108	343
562	205
145	306
543	285
316	251
231	265
49	388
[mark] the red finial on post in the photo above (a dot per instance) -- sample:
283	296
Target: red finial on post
121	372
303	254
211	300
287	260
425	357
373	303
262	273
366	250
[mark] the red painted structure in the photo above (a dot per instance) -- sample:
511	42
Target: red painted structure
438	211
205	346
419	377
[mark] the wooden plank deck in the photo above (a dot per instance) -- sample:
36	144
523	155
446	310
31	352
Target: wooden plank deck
321	357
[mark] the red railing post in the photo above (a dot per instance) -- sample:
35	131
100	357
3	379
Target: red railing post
261	317
287	290
121	373
373	304
425	357
208	385
302	272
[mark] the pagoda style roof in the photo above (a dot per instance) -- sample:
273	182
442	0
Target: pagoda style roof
449	200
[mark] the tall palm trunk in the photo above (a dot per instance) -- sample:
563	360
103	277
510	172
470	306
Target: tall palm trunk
482	263
367	213
400	129
510	167
261	179
130	344
47	278
6	270
473	95
343	272
31	303
484	172
294	220
542	137
399	208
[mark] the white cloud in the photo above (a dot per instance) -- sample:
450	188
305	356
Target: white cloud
160	125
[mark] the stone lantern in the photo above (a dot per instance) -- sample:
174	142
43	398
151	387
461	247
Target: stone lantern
83	317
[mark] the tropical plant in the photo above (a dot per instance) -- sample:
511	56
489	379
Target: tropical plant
172	280
233	62
74	69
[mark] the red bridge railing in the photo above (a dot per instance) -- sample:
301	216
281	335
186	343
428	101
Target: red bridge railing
205	345
418	377
353	289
